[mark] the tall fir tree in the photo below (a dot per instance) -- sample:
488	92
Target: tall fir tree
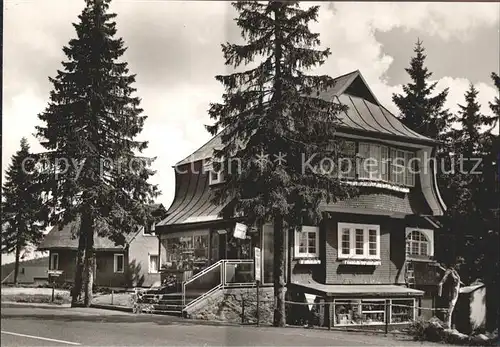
275	126
467	185
95	175
22	206
492	242
419	110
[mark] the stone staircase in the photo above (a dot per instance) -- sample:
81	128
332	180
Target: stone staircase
170	304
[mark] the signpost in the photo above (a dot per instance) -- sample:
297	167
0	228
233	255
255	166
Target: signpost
52	274
240	231
257	266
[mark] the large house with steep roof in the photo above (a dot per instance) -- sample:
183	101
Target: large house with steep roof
368	251
136	263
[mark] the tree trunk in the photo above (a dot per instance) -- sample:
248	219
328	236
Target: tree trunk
279	273
80	261
454	291
16	265
279	246
89	267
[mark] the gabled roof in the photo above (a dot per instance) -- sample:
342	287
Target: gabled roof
365	114
66	238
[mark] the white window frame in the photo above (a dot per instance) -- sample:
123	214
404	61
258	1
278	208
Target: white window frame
115	262
429	235
414	310
352	241
359	302
52	261
306	229
151	270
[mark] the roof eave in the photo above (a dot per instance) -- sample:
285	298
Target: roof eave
375	134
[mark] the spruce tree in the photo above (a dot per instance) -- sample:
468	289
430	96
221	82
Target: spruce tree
275	127
95	175
419	110
22	206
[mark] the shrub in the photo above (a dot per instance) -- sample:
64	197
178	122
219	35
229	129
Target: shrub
427	330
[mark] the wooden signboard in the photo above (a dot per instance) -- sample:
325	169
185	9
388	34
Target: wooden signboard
55	273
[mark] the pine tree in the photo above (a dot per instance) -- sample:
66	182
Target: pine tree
94	174
276	127
419	110
22	206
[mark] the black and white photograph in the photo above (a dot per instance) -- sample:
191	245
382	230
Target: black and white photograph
250	173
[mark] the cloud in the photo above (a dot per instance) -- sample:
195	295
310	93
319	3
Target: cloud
349	30
174	48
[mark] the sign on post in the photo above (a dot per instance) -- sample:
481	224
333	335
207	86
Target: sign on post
240	231
257	264
55	273
52	274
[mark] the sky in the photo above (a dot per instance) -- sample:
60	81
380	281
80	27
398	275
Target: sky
174	48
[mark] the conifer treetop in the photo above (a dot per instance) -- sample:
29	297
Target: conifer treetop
419	109
273	108
22	207
92	120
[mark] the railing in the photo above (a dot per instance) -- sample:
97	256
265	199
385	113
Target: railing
204	281
222	274
238	273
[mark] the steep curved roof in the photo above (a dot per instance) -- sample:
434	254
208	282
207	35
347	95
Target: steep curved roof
193	199
364	114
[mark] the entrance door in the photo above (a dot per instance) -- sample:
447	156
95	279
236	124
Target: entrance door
226	246
239	248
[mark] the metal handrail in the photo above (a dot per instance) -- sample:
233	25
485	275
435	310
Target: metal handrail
198	275
204	271
222	263
236	261
202	296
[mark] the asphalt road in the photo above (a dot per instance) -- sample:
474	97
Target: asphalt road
49	326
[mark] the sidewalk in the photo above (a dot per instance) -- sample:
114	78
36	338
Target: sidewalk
35	304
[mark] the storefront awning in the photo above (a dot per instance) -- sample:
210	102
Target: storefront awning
356	290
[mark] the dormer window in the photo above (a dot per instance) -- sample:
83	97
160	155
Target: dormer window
214	177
